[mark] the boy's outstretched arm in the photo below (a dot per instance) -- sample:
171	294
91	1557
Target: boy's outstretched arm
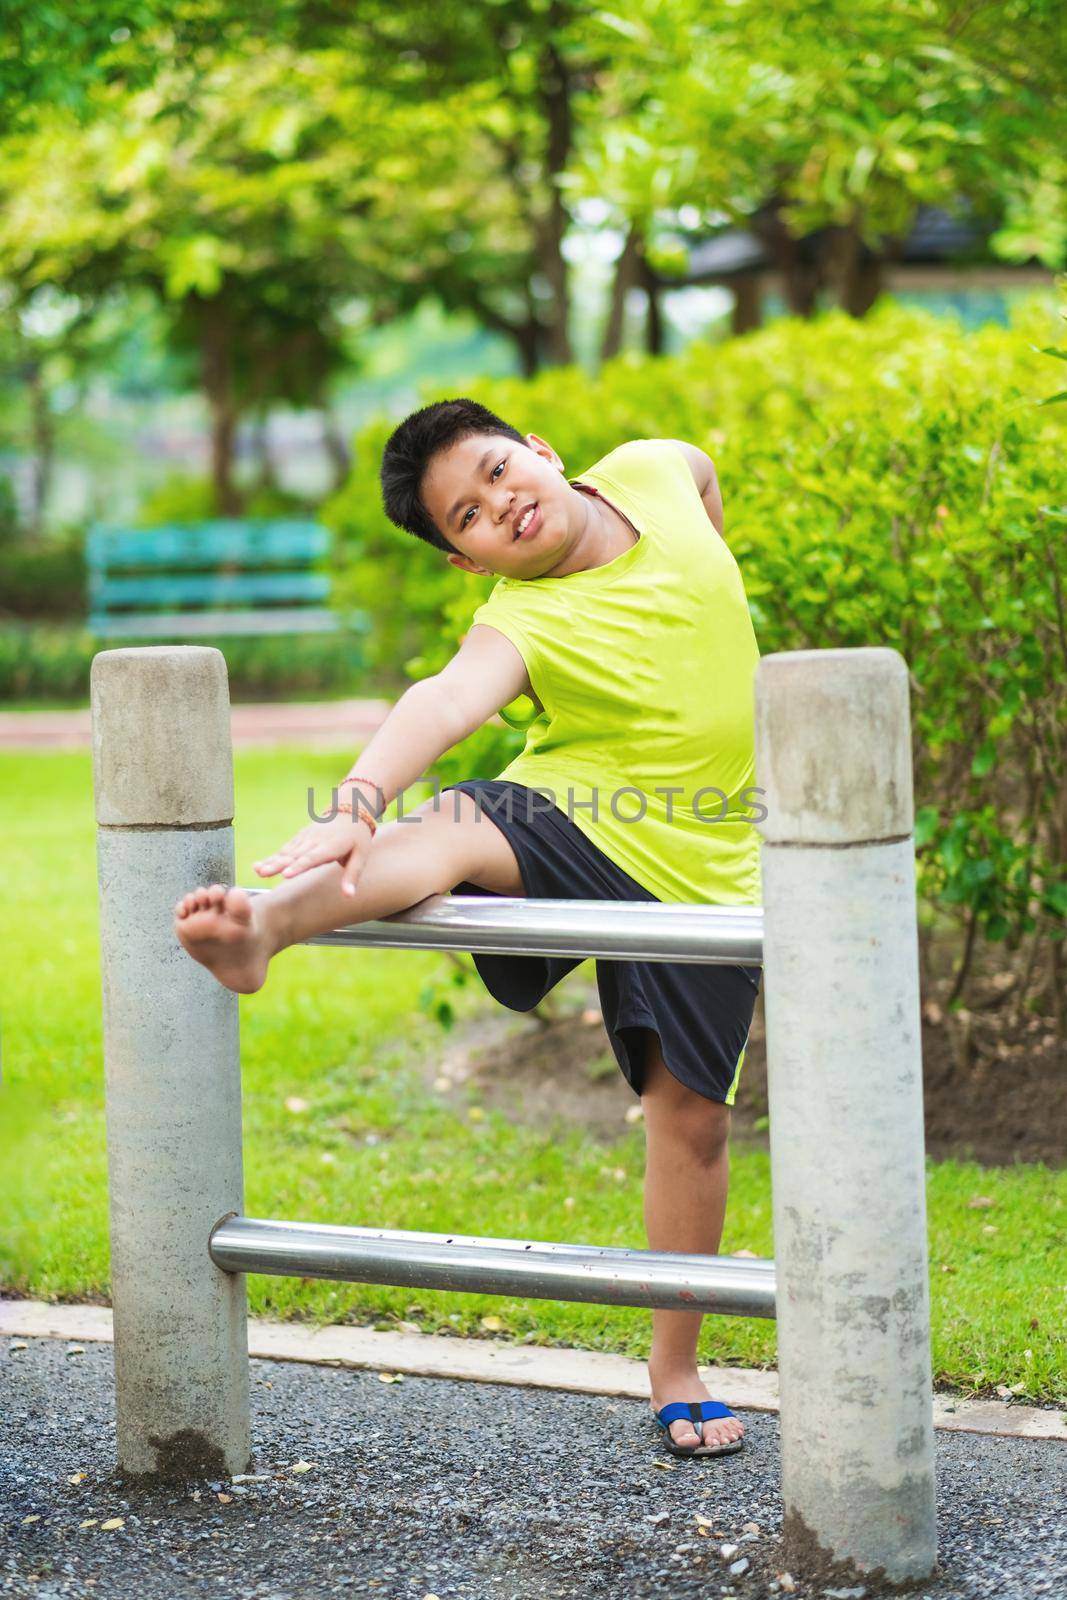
486	673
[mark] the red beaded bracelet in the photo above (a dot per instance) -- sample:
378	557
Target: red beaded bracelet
364	816
366	812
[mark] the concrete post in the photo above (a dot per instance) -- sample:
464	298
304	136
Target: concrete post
833	756
163	780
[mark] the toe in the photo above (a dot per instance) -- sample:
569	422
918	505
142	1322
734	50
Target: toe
238	905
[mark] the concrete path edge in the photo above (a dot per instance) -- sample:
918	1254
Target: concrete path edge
325	724
429	1355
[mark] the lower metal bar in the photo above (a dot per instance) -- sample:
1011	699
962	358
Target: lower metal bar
736	1286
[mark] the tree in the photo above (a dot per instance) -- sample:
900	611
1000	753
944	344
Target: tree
270	167
52	55
52	348
227	189
823	129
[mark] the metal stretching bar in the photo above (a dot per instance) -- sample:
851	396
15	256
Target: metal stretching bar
837	938
613	930
736	1286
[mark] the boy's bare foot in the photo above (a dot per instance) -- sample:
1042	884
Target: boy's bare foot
219	928
667	1387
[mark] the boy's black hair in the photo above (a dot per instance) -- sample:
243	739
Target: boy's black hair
408	453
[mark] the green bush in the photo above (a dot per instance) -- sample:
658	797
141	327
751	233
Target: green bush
184	499
891	481
9	517
42	662
43	580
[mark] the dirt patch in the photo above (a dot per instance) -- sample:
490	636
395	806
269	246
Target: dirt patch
978	1105
992	1093
542	1073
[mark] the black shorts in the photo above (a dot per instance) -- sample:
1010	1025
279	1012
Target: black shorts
702	1013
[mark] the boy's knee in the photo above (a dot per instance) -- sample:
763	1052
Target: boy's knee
465	846
703	1127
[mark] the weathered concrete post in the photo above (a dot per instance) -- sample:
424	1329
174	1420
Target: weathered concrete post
163	779
833	755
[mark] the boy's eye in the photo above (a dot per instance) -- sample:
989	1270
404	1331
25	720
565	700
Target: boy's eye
492	479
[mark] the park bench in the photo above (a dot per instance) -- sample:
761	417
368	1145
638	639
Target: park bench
208	578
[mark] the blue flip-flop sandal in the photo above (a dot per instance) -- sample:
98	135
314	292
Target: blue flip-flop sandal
696	1412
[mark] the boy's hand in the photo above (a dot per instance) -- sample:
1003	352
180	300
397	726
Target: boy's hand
343	839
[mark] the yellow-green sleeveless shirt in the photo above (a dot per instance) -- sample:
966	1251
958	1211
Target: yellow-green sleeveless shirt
644	667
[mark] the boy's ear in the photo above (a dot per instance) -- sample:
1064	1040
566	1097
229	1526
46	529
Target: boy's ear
543	447
466	565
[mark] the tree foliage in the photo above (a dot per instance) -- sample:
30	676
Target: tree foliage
848	116
279	177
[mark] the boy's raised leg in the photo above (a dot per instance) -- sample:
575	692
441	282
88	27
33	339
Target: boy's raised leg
236	935
686	1179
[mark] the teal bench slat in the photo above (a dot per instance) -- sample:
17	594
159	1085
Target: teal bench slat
207	544
201	624
209	589
196	566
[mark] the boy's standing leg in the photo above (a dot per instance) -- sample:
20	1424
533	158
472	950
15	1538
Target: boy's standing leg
686	1178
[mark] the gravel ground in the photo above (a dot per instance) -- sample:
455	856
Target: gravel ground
432	1488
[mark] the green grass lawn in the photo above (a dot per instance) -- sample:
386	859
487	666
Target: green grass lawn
344	1032
54	703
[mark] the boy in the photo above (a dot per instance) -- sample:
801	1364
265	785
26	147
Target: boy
620	613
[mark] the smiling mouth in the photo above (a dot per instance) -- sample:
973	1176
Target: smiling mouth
532	516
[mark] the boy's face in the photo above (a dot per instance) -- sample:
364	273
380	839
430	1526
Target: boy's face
477	492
